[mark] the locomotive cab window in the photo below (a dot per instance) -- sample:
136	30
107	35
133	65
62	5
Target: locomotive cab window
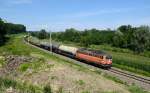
108	57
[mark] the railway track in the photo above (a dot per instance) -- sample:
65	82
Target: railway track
146	81
129	75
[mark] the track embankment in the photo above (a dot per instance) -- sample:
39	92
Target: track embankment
128	77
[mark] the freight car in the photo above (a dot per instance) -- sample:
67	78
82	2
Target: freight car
97	57
67	50
32	41
46	45
55	47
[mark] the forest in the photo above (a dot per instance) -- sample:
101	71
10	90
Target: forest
136	39
9	28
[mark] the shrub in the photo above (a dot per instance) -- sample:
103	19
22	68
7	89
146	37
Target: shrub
21	87
47	89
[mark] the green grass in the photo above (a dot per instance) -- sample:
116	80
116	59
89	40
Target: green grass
80	82
136	89
24	67
47	89
97	71
110	48
13	46
114	79
120	50
6	83
132	88
2	61
16	47
111	92
36	66
60	90
85	92
127	61
124	58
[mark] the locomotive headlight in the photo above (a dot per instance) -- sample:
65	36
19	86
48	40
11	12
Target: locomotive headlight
109	61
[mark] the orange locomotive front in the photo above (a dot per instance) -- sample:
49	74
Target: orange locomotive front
97	57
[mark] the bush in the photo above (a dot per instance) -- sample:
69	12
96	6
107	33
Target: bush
21	87
47	89
7	82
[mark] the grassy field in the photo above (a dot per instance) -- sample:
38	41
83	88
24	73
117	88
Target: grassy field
6	83
124	58
16	47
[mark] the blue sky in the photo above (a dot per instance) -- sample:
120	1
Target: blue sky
57	15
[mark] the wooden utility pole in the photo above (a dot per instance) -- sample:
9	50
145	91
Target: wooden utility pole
50	41
28	37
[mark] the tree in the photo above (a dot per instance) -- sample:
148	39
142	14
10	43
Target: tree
141	39
71	35
118	39
9	28
43	34
2	31
84	41
15	28
127	32
126	36
125	28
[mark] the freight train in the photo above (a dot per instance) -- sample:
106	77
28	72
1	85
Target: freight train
95	57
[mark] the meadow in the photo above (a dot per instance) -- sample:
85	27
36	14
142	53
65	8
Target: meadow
16	46
125	59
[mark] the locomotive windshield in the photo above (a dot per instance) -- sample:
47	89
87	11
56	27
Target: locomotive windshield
108	57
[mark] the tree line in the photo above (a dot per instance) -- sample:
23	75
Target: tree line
136	39
42	34
9	28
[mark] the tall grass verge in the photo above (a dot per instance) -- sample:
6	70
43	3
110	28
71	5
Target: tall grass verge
126	60
132	88
6	83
